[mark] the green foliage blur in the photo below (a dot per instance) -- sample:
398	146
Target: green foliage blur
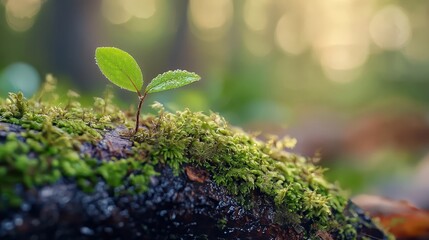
334	74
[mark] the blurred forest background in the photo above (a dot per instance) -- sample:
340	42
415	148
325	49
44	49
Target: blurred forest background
348	78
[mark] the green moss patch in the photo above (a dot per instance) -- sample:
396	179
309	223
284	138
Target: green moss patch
50	149
240	162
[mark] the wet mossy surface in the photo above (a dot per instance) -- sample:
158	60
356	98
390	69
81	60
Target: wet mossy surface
84	167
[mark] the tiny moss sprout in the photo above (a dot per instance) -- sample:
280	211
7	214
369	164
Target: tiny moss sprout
121	69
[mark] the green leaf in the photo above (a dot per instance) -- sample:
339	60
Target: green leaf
120	68
170	80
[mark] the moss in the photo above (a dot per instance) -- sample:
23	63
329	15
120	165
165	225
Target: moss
50	149
242	163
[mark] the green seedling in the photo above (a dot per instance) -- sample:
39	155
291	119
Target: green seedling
121	69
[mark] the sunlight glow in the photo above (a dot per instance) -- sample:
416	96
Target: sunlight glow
210	19
122	11
390	28
208	14
255	13
343	57
20	14
289	35
115	11
340	37
141	8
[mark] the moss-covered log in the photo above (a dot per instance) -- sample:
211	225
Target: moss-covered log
74	173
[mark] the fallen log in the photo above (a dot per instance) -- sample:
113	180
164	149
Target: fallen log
78	173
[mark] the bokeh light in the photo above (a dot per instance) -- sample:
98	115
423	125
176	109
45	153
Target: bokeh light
19	77
122	11
256	14
340	37
115	12
390	28
20	14
290	35
210	19
141	8
343	57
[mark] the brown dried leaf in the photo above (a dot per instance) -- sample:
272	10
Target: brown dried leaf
401	218
196	175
